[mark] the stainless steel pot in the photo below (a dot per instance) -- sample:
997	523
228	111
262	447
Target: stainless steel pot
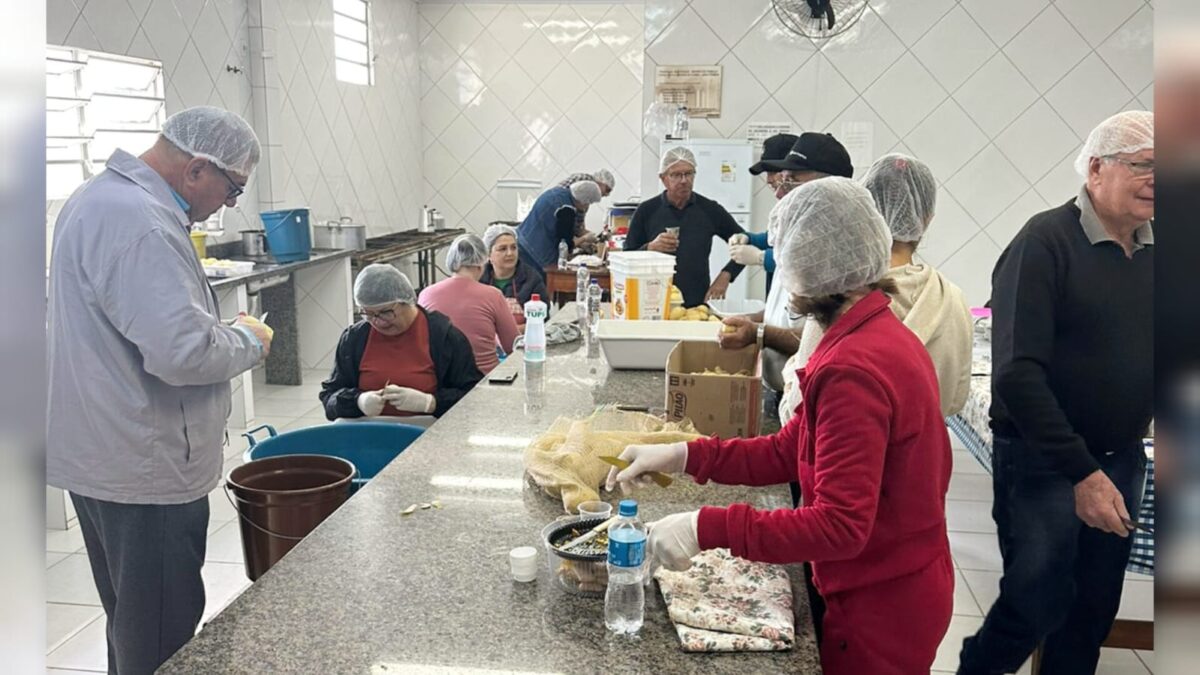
254	242
340	235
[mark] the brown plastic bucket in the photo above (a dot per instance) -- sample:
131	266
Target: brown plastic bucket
280	500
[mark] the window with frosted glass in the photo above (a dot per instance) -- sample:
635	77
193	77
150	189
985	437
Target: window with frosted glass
96	103
353	61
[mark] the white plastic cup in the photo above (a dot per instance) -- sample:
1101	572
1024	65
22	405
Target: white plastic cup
595	509
523	561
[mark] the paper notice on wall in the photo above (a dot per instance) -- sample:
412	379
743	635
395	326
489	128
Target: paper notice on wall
859	140
728	172
697	87
757	132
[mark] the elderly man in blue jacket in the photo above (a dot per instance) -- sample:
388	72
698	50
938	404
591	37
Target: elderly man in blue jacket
552	220
139	371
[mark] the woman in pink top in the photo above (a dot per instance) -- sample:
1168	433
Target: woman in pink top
479	311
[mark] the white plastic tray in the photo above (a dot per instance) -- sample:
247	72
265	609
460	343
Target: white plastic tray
645	345
238	268
727	307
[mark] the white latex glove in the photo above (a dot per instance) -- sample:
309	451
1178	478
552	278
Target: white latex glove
745	254
667	458
410	400
371	403
673	540
739	239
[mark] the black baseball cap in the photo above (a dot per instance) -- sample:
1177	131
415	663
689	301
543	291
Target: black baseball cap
774	148
815	152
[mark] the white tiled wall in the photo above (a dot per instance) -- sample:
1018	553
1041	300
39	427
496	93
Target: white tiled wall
996	96
339	149
195	40
532	91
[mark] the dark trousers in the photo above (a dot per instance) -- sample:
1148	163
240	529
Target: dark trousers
146	562
1062	579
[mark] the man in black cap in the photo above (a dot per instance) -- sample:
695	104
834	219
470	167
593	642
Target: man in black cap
812	156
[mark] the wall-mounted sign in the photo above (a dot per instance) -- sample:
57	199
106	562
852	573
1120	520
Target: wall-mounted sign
697	87
757	132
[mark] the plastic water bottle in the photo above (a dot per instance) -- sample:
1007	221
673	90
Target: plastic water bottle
563	254
594	294
625	599
535	329
581	288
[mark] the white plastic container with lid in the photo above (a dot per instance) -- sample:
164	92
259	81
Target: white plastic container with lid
641	284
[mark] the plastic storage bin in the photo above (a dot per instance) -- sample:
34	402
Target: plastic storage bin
369	446
645	345
641	284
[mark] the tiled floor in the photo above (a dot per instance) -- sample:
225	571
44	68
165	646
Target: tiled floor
75	621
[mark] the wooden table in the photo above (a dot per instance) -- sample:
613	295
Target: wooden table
560	284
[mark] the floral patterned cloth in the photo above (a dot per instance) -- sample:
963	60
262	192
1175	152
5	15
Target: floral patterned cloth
726	604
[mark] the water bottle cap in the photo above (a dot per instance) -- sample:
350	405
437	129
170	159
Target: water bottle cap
595	282
627	507
535	297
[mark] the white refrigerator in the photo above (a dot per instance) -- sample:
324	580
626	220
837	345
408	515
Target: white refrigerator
723	175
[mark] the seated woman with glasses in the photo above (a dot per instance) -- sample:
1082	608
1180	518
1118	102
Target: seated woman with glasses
479	311
400	361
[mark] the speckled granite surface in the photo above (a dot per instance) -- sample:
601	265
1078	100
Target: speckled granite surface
373	591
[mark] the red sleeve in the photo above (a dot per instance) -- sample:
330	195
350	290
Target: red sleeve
763	460
854	415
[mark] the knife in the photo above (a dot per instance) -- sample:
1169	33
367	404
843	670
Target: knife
662	479
589	535
1134	525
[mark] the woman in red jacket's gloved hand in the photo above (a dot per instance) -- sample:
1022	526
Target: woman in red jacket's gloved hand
868	445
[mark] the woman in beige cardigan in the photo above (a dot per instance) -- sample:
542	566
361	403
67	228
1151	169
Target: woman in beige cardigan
935	309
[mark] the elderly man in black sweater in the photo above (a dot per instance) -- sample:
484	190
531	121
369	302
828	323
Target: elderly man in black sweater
1072	379
682	223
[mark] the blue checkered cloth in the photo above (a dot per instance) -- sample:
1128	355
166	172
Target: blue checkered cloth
1141	558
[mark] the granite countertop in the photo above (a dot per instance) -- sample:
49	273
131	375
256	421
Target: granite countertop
371	590
265	266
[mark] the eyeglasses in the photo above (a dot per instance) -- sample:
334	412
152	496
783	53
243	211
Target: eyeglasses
1138	169
677	177
381	315
235	190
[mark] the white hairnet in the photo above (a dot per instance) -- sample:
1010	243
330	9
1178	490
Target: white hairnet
831	238
1124	133
466	250
496	231
585	192
905	193
381	284
214	134
605	177
675	154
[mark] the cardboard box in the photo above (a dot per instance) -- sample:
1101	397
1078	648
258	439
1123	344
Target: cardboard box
725	405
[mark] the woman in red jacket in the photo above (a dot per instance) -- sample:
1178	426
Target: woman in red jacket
868	445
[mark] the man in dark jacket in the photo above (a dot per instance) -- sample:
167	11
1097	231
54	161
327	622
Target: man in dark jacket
552	221
682	223
400	360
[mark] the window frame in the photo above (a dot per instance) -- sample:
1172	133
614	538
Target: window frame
367	66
